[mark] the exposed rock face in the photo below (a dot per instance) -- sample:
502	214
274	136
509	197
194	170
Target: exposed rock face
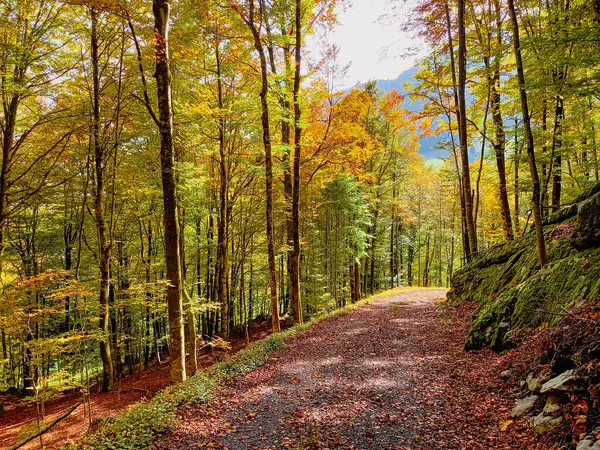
534	384
567	381
587	230
591	441
542	423
513	293
523	405
588	444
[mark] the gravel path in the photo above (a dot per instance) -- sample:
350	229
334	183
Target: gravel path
390	375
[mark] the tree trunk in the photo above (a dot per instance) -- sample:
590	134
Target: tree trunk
223	206
295	260
373	248
517	160
462	130
557	152
10	119
499	146
500	137
392	229
356	294
161	8
463	210
268	169
103	244
537	214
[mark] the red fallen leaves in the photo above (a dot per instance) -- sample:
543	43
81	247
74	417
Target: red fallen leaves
564	230
386	417
577	417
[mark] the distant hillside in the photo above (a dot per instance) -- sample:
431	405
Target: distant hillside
427	145
405	77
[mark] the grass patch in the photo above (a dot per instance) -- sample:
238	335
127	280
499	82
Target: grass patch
137	427
397	305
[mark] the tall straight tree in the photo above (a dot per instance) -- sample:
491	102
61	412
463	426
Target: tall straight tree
266	136
491	60
462	130
222	249
103	242
500	137
161	11
537	210
463	210
295	262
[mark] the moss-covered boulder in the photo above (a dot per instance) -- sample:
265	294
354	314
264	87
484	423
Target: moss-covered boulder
514	294
587	231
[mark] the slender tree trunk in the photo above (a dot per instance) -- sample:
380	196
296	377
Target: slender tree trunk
537	214
427	261
594	145
161	10
463	209
557	152
295	260
189	325
8	135
258	45
462	129
546	167
148	264
499	146
285	142
68	239
223	206
373	248
500	136
517	160
393	250
103	244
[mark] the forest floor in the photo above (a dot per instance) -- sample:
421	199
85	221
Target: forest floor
389	375
20	418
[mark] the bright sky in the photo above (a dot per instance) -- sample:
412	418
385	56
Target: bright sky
368	35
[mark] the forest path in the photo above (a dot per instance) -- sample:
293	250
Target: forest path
388	375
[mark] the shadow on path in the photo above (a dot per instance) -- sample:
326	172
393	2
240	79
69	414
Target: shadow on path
390	375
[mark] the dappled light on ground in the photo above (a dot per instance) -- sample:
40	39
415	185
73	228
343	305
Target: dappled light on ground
391	375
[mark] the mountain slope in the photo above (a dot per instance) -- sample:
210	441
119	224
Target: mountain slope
428	145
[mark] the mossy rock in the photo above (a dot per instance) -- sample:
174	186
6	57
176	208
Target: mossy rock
561	215
513	293
587	231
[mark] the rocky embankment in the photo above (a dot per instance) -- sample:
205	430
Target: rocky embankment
555	311
514	294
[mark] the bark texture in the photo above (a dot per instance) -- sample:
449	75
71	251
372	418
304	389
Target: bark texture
161	10
535	206
295	260
103	241
462	131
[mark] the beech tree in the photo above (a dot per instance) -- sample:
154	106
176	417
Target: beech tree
535	200
161	11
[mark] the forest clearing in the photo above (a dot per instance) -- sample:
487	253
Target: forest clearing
224	224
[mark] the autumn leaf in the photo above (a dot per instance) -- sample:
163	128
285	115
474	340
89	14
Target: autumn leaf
505	425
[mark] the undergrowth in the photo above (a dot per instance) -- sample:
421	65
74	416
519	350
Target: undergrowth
145	421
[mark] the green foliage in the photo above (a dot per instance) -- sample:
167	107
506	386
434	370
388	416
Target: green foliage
344	199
